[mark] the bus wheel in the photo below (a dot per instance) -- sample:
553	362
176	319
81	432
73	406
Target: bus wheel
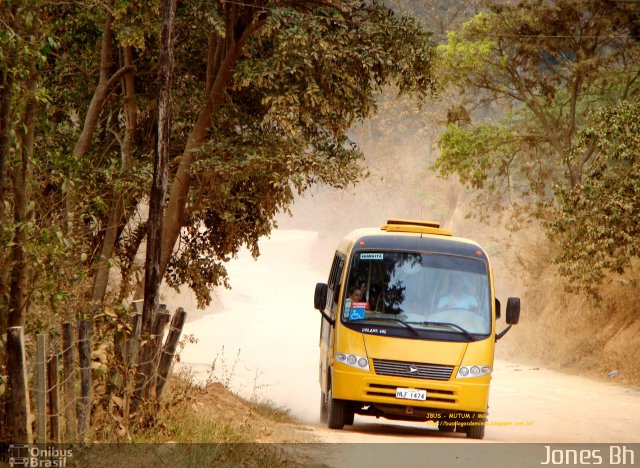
446	426
336	416
324	409
475	430
348	418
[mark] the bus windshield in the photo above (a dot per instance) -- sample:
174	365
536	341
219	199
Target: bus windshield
425	291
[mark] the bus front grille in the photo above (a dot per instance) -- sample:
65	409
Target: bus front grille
412	369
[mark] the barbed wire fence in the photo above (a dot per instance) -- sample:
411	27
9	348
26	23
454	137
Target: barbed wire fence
60	403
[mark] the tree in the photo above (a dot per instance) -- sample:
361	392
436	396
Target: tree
264	95
295	76
440	16
532	72
153	276
20	60
596	223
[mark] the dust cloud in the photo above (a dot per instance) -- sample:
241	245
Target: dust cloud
261	337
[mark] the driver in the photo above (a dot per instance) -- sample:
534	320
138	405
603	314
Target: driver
457	297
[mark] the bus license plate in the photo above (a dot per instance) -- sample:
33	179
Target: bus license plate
411	394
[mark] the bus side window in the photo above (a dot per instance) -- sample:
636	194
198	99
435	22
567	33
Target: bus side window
332	278
334	282
332	294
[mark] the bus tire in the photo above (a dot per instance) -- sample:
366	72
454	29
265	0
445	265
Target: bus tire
348	418
336	416
324	408
449	427
475	430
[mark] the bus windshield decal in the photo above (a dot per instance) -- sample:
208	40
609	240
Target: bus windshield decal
371	256
358	310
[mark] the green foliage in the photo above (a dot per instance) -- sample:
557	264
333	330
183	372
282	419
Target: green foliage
541	67
304	79
461	56
135	20
540	124
474	153
596	223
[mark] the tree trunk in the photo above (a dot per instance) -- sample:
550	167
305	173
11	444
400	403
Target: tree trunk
6	96
160	172
100	94
116	213
153	276
101	278
22	180
176	208
96	105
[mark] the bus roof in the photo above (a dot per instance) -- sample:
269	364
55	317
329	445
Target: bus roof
410	235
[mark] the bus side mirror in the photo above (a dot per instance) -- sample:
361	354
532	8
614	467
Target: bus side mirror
320	301
513	310
320	296
513	315
497	309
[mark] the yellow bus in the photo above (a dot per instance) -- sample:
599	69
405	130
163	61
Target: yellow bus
408	328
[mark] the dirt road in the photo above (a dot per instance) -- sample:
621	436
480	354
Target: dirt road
262	337
526	405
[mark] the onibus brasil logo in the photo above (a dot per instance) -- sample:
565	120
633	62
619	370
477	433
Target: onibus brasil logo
38	457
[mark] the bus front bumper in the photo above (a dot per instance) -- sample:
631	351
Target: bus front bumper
460	395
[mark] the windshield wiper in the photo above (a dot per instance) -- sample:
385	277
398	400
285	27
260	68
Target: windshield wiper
447	324
429	324
458	327
395	320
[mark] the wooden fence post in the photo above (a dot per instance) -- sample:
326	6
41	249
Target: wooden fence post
169	349
119	346
84	358
133	340
69	381
41	383
146	369
162	318
131	355
21	432
54	406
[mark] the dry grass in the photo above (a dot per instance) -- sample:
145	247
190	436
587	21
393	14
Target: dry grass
572	332
204	426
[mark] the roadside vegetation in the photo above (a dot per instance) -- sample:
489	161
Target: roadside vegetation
560	146
533	105
263	96
542	130
205	424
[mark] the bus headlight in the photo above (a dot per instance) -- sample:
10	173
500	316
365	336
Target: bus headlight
353	360
465	372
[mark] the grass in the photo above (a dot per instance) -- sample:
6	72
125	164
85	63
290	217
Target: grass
270	410
198	424
203	425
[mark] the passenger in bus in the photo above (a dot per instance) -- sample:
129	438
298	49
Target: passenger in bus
355	294
458	298
355	307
